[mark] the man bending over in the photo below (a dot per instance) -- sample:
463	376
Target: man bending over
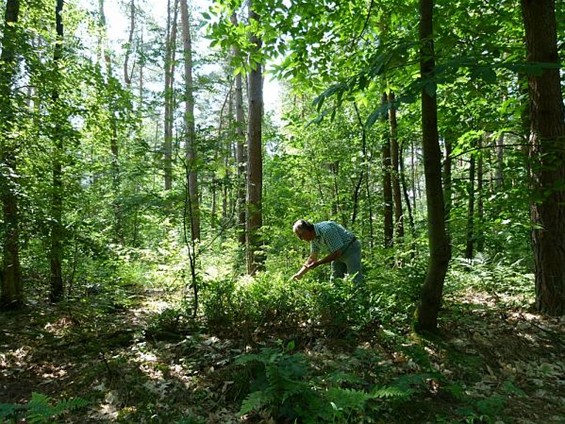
344	250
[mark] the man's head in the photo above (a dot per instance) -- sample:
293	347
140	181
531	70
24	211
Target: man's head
304	230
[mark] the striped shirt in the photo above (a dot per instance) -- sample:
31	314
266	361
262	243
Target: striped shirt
330	236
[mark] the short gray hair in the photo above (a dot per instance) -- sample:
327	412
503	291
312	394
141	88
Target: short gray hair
302	225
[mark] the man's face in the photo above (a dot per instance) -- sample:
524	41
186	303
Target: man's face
305	235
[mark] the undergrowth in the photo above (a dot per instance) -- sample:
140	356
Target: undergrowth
270	349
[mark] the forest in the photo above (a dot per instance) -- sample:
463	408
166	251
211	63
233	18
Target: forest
156	161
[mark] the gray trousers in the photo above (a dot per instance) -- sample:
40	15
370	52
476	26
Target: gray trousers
349	263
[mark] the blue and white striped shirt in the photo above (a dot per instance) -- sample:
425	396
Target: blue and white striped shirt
330	236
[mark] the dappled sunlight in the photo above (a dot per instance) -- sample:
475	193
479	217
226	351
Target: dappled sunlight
60	327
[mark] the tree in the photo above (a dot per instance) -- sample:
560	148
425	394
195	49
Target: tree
388	202
129	46
113	85
440	249
190	128
240	146
12	286
255	152
57	227
169	99
395	169
471	210
547	155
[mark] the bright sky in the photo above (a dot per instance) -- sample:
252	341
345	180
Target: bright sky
118	26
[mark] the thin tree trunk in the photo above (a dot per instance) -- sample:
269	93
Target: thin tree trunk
57	231
241	156
12	296
387	187
406	196
333	167
500	162
170	47
190	138
479	228
447	179
395	171
360	178
364	175
255	259
470	240
114	148
440	250
547	138
129	48
415	183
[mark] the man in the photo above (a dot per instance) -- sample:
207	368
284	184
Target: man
344	249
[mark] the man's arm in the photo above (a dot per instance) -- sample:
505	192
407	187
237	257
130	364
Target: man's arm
306	267
330	258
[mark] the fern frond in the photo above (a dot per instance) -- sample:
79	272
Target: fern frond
391	392
254	402
349	399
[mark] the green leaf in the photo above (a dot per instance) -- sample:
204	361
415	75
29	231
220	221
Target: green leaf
488	75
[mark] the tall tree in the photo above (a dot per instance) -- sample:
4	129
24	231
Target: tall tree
470	242
240	146
129	46
254	216
170	48
112	85
440	249
56	222
190	127
395	169
547	154
12	287
388	202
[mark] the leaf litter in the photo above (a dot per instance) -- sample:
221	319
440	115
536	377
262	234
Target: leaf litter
493	362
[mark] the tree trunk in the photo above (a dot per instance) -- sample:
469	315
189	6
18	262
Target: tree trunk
447	178
114	147
333	168
170	47
190	137
12	295
499	162
470	240
406	197
241	156
127	72
255	259
547	154
57	229
357	190
395	171
387	187
440	250
479	228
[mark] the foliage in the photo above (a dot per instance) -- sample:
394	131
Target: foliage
40	409
283	385
129	331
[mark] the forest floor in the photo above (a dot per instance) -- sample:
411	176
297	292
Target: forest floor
492	361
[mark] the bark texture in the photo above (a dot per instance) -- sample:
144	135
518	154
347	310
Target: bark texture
547	155
440	249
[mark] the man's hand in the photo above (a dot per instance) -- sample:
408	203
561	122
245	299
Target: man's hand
297	276
312	265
